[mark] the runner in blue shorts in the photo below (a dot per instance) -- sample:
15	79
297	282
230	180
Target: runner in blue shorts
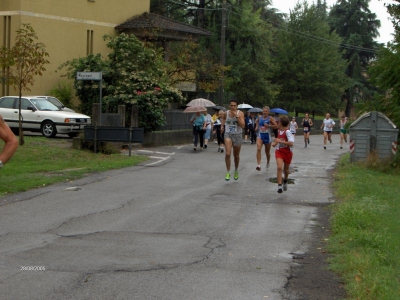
263	126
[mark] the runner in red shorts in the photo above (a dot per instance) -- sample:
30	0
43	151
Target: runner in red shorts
283	152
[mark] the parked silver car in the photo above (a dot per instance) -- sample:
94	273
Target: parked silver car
40	115
56	102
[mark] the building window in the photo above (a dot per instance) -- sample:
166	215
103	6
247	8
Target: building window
6	43
89	42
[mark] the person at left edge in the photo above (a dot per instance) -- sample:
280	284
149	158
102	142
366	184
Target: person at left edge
11	143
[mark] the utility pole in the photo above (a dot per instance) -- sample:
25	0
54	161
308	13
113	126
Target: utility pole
222	54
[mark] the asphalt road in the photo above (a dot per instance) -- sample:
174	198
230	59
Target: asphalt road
170	228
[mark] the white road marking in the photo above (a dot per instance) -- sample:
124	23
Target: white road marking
159	158
166	153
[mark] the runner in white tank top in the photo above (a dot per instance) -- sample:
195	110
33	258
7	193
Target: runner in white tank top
232	125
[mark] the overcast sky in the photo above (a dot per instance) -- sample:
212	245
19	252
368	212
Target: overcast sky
375	6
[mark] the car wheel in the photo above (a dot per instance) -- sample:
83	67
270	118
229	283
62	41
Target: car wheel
49	129
72	134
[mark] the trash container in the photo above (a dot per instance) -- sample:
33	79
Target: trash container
372	131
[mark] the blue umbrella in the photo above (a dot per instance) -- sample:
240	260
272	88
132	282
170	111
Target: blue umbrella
279	111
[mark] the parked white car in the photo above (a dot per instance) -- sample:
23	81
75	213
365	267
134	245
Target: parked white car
56	102
40	115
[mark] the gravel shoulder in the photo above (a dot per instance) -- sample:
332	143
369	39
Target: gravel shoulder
310	277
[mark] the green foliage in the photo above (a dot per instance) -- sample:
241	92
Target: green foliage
358	27
63	92
25	59
385	73
249	56
137	77
87	90
311	69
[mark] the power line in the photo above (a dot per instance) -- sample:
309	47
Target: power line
315	38
285	27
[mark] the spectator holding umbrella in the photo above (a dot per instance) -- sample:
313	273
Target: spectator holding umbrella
199	121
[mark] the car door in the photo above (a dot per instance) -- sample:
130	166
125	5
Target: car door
31	118
8	111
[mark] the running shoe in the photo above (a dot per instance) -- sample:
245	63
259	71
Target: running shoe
215	142
227	176
195	148
266	168
258	168
236	175
325	147
285	185
341	147
205	146
219	149
222	149
279	189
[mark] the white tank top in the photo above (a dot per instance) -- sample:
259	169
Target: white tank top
232	125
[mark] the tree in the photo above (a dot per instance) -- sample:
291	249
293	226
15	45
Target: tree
385	74
137	76
87	90
394	11
311	70
133	74
248	54
23	62
194	62
358	27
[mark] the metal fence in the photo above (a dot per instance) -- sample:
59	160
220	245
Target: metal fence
176	120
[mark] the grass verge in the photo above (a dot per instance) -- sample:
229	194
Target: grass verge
43	161
365	240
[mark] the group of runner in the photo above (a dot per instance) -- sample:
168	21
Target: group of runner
232	124
230	132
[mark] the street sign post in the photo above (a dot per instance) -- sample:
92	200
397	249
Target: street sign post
92	76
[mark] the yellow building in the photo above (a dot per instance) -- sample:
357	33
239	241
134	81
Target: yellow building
69	29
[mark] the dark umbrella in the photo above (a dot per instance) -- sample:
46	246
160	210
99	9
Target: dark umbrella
217	107
255	110
279	111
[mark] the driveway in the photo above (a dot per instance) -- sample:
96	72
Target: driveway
170	228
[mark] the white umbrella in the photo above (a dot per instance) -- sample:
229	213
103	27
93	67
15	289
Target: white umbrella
244	106
201	102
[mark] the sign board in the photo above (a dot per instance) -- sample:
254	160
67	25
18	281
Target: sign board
186	86
88	76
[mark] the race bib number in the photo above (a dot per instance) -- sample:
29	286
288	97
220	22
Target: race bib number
231	128
264	129
306	128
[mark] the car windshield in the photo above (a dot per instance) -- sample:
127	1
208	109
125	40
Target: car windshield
43	104
55	101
